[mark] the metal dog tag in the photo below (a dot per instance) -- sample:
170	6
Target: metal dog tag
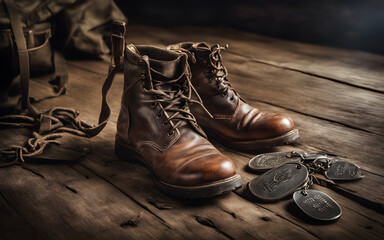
279	182
267	161
343	171
317	205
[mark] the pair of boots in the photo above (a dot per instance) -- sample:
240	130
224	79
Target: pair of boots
169	95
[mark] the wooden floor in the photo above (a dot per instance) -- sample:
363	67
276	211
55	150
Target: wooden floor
336	98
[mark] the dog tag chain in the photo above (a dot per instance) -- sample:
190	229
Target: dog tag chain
335	170
267	161
332	168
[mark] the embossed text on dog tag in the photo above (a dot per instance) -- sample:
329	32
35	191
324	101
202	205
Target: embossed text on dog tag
267	161
317	205
343	171
279	182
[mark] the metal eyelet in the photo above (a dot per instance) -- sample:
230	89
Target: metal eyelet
232	99
159	115
165	124
170	133
211	79
224	94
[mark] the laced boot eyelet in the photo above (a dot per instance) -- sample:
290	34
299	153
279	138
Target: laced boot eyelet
224	94
218	87
211	79
159	115
232	99
165	124
153	105
170	133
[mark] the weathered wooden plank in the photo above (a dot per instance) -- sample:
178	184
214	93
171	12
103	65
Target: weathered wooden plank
353	107
13	225
348	66
65	205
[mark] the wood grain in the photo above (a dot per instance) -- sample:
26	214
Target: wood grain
348	66
336	104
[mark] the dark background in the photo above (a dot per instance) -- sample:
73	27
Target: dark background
347	24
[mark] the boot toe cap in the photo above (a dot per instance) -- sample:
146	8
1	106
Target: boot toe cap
264	125
205	170
279	125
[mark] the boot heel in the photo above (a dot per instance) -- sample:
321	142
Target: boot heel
125	154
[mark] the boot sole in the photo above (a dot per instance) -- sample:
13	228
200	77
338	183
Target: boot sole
249	145
188	192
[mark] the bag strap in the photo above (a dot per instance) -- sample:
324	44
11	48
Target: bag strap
23	55
59	120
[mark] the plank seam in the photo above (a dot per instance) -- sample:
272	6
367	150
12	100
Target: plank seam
209	223
359	213
375	206
9	204
317	117
127	195
33	171
277	214
308	73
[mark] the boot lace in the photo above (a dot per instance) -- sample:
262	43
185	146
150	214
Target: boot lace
174	96
218	72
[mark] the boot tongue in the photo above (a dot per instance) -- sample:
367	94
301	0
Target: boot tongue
166	69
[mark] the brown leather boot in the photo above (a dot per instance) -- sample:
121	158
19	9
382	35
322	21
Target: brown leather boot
234	122
156	126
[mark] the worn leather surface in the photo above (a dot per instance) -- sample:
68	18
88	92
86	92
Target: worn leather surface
233	118
183	158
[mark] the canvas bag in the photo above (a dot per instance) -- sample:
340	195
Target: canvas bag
47	125
77	27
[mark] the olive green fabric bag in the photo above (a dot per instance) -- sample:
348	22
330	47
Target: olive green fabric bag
49	27
32	34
